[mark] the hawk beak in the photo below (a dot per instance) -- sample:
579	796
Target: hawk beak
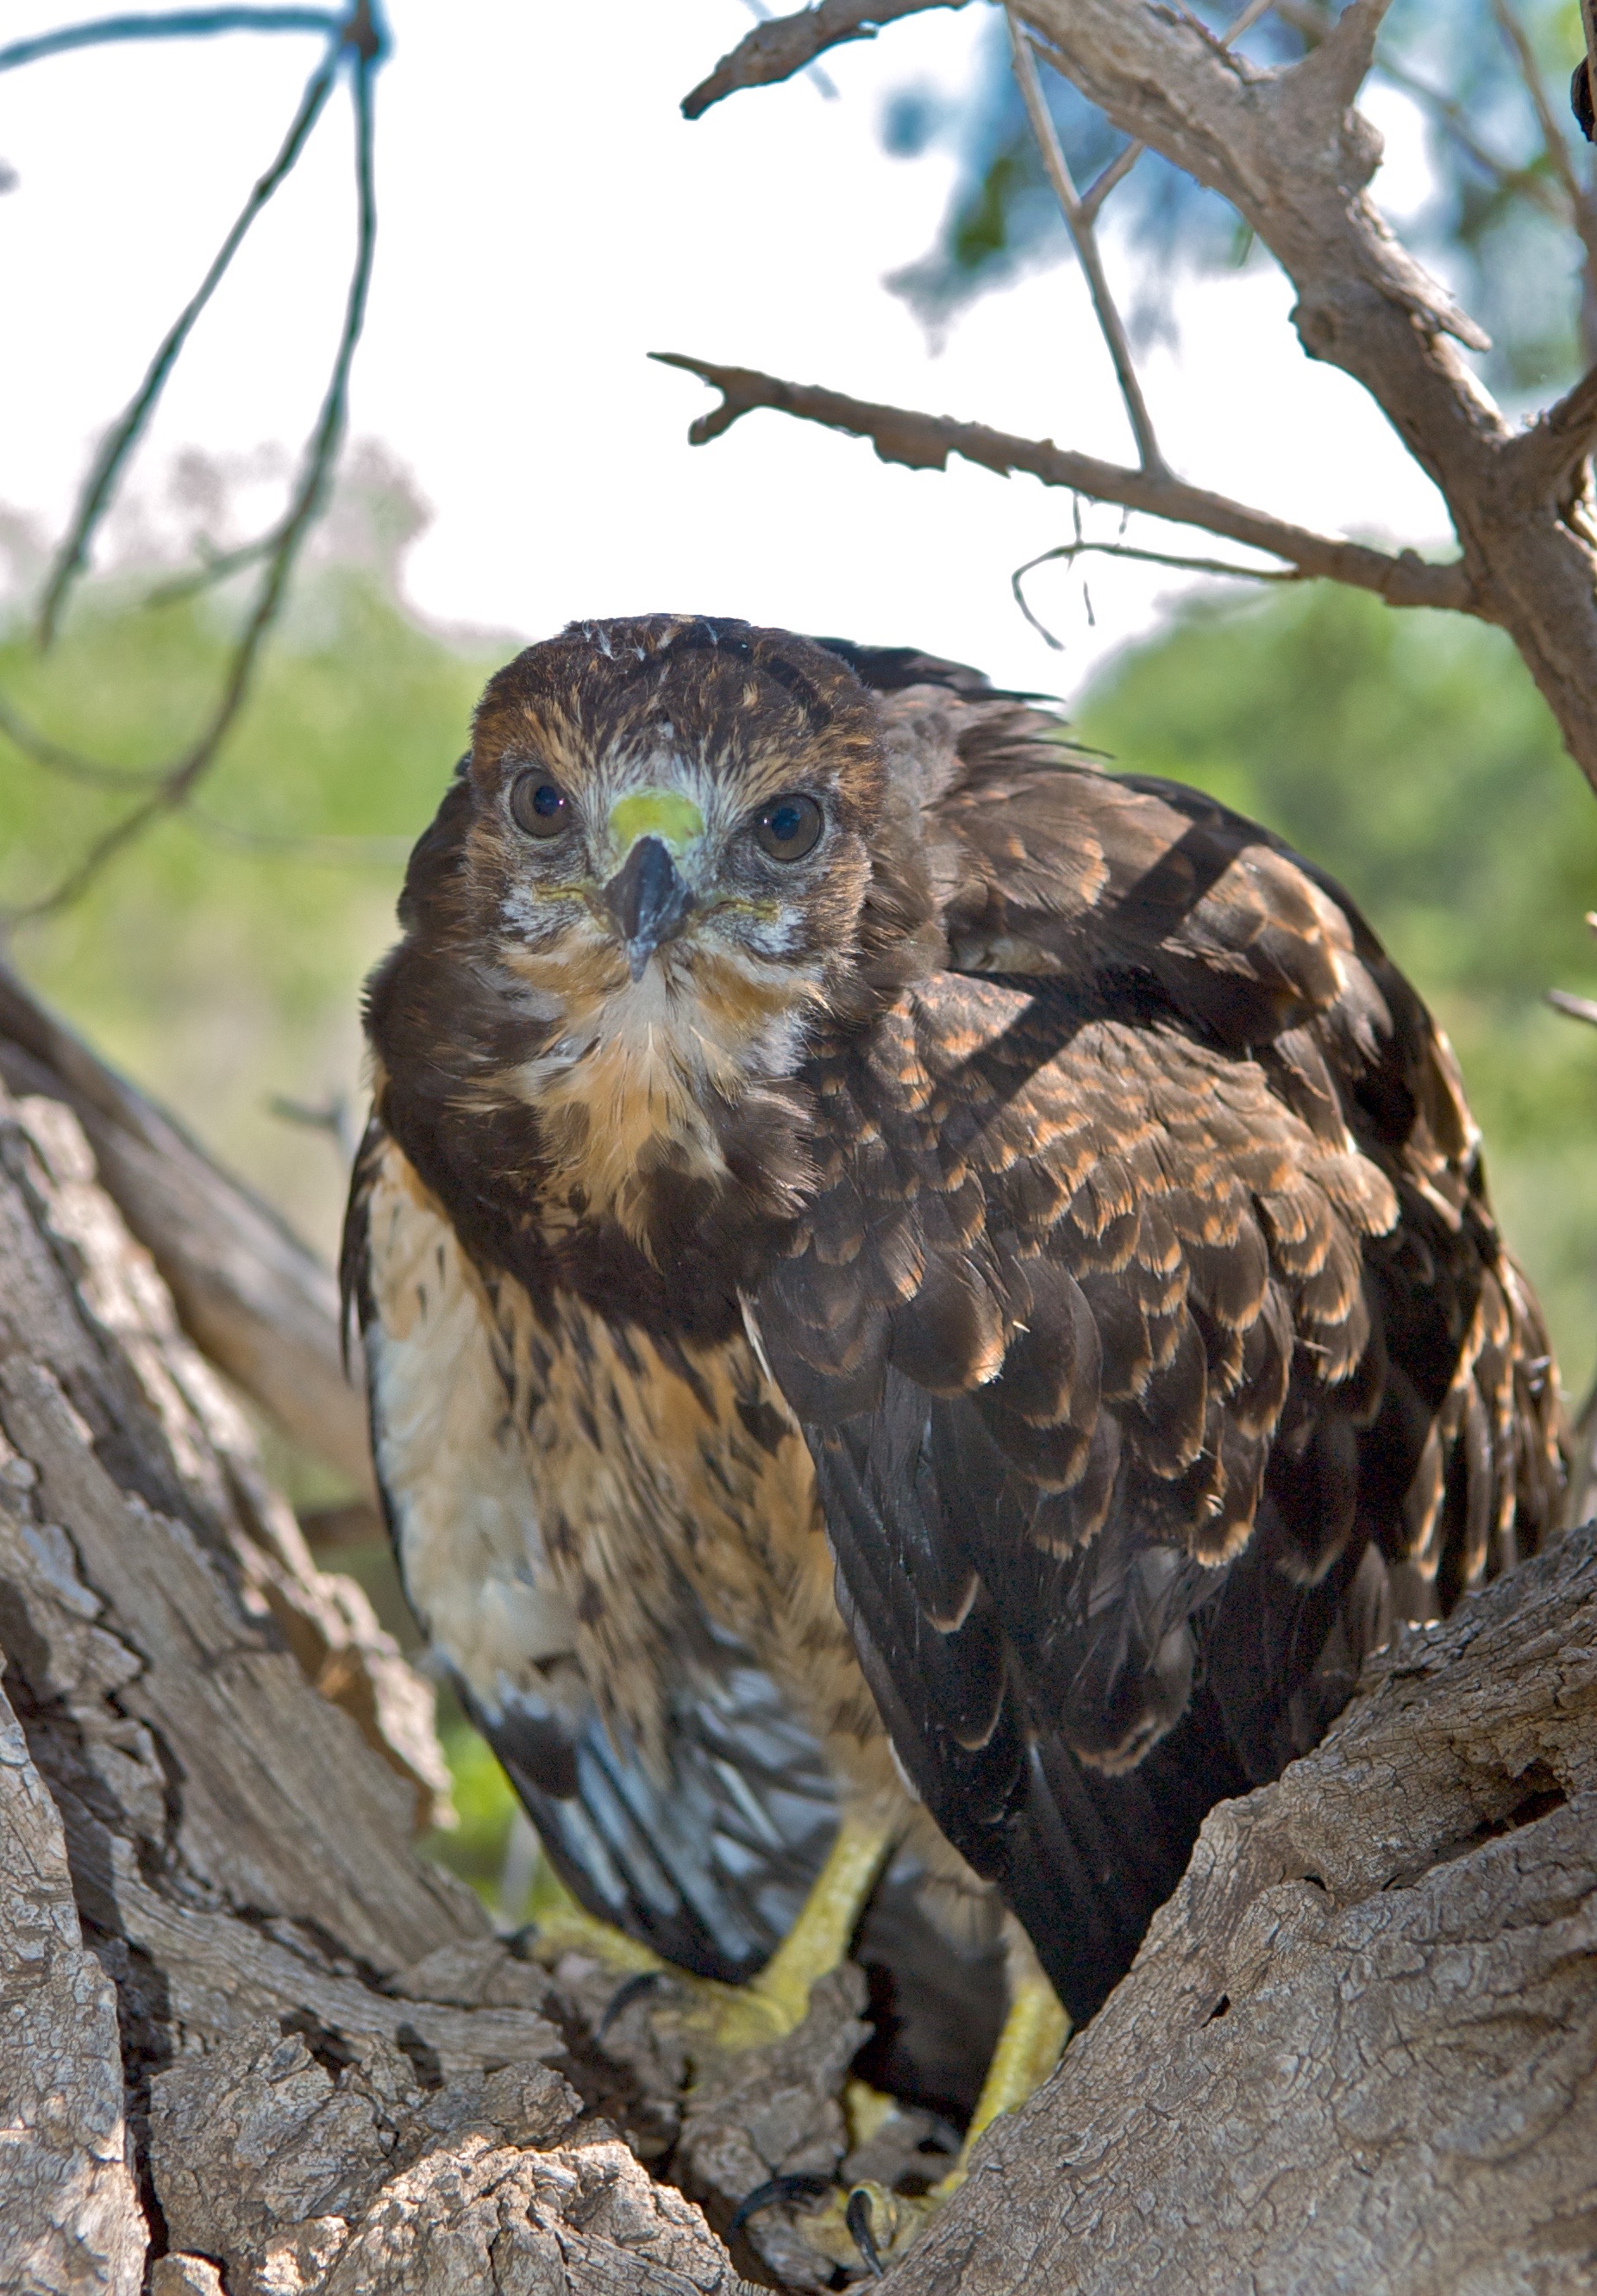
648	901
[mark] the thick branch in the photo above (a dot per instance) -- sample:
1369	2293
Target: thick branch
1294	157
776	50
923	442
1381	2076
251	1295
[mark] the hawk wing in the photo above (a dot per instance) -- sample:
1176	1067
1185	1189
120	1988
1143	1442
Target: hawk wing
1150	1331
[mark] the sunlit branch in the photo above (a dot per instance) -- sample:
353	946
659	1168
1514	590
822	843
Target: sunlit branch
923	442
1120	167
786	44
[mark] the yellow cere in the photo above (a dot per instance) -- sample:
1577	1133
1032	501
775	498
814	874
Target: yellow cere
665	814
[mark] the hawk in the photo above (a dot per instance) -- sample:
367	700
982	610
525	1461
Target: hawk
927	1304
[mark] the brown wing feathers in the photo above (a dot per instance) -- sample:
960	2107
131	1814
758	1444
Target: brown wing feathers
1148	1323
1149	1310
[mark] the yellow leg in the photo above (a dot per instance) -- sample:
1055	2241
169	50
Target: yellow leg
1029	2047
731	2017
564	1926
776	2002
819	1940
879	2224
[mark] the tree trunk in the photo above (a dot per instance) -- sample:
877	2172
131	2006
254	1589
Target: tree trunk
250	2043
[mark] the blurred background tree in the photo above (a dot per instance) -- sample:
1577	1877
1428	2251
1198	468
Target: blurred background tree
1501	225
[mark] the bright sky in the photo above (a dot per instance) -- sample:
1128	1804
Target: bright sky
547	219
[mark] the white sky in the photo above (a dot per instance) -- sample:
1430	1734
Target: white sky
547	219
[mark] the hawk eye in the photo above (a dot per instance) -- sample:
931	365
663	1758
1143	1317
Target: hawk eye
540	805
789	827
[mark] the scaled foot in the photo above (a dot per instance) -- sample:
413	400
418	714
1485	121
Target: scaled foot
867	2225
714	2021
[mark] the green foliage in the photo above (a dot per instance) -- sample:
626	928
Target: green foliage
1411	755
486	1806
220	962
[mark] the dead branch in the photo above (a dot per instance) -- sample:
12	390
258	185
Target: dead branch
775	49
252	1297
923	442
1295	159
1359	2047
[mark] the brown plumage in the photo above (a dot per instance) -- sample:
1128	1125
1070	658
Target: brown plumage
1002	1298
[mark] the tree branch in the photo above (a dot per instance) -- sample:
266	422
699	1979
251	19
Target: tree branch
775	49
176	24
923	442
251	1295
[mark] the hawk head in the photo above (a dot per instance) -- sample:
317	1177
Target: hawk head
670	854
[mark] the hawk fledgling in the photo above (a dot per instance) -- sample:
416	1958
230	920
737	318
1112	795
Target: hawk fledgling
910	1280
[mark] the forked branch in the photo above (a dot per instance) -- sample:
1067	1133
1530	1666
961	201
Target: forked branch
1084	239
923	442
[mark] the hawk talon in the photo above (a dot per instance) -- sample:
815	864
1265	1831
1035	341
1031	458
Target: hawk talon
856	2216
633	1989
773	2190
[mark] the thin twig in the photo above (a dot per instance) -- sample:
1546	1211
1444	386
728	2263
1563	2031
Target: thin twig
219	567
923	442
124	435
1085	242
1081	548
180	24
70	764
1578	1008
174	786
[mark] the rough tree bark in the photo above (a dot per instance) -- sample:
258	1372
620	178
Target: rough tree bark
260	1305
249	2043
240	2020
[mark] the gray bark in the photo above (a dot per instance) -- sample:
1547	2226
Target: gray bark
68	2211
1359	2047
259	1302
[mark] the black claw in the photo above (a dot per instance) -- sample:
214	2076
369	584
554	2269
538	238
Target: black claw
857	2217
775	2189
624	1996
